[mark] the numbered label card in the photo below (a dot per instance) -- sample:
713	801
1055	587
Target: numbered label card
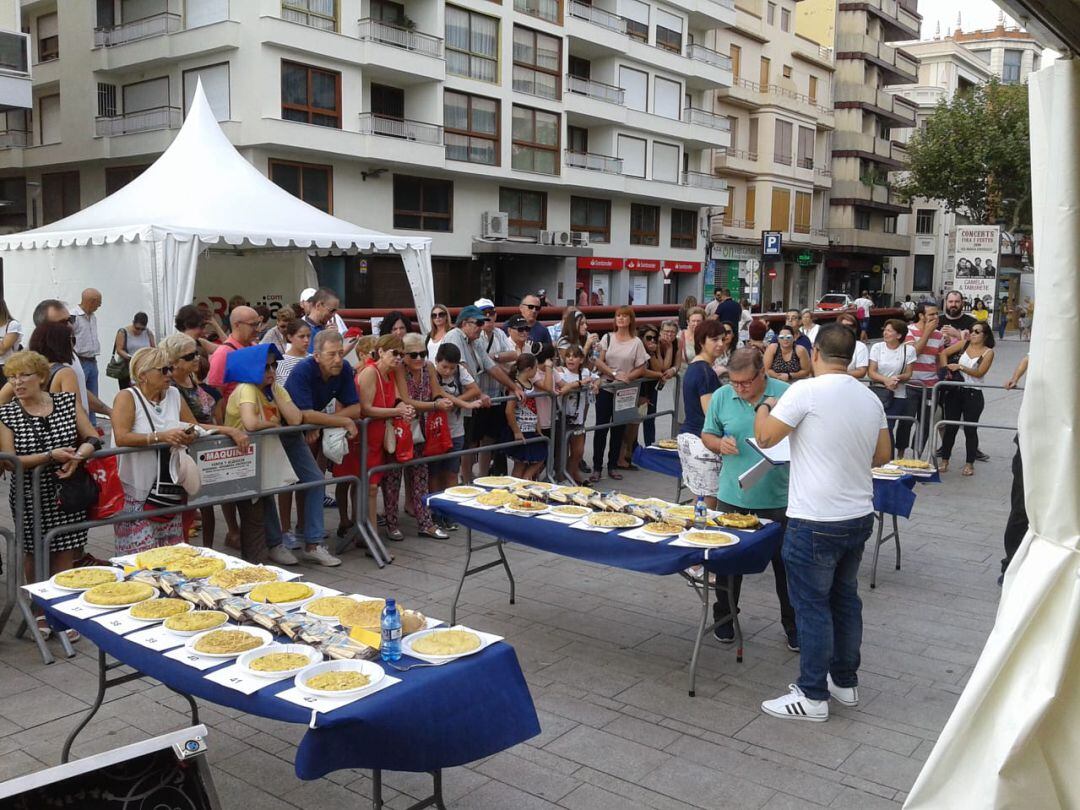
156	638
238	678
45	590
78	609
193	659
324	705
121	622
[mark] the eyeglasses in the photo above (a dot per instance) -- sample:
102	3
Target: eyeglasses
743	383
417	355
187	358
533	307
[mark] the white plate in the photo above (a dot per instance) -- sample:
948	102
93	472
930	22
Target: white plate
407	644
313	656
242	589
118	573
585	511
291	605
527	512
489	481
637	522
462	496
191	607
686	538
324	617
265	635
374	672
82	599
189	633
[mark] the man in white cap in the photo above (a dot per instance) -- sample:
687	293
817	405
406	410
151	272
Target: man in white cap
306	295
487	425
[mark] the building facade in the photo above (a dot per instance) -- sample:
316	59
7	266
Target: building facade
780	114
540	143
16	99
1008	52
865	229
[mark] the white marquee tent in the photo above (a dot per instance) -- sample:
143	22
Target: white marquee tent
143	246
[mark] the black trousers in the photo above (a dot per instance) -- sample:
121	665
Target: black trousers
918	405
787	612
605	407
964	404
1017	525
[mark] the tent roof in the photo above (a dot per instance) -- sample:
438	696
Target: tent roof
202	188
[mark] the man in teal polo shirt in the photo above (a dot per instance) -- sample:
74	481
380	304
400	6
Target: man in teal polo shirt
729	422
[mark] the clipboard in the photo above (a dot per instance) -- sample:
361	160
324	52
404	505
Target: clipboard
779	453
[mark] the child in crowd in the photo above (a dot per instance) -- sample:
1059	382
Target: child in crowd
521	415
577	385
543	380
457	385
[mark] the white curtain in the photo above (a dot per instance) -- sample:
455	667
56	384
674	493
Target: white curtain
1013	739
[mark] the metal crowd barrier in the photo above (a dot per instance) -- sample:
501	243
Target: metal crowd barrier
13	538
936	423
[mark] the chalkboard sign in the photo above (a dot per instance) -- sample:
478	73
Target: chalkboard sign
169	772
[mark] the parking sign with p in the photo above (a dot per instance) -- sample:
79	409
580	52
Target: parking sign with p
771	243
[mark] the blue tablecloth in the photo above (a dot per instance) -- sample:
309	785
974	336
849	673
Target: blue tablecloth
437	717
658	460
750	556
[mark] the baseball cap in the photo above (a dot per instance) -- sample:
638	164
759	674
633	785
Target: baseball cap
307	294
484	303
516	322
470	313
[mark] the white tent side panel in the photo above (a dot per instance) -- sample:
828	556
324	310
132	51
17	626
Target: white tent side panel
263	277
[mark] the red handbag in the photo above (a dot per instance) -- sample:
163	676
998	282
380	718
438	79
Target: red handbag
403	449
438	434
106	474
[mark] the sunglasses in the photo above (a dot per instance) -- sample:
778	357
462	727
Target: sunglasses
417	355
438	314
650	338
188	357
521	329
166	370
395	352
271	366
784	337
533	307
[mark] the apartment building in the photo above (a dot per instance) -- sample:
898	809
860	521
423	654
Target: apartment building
779	109
864	212
1009	53
16	94
540	143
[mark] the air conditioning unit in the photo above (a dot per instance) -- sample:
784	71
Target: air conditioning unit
494	225
561	238
544	237
581	238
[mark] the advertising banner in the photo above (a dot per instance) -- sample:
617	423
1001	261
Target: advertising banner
976	268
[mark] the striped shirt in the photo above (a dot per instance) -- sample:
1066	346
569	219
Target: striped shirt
924	371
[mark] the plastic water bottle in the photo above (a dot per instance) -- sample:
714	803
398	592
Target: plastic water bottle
390	645
701	513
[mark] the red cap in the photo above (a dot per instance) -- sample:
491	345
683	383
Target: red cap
354	332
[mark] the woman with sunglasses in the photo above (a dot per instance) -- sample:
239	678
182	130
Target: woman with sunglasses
575	332
784	360
971	359
440	325
136	335
659	370
622	359
728	344
695	316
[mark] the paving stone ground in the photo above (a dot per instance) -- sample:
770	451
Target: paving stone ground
605	654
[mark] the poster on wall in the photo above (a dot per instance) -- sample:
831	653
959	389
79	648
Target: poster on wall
976	268
639	289
601	289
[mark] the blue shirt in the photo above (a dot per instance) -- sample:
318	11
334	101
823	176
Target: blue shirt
310	392
729	311
699	380
315	329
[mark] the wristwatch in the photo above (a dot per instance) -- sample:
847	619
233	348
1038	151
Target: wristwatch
761	405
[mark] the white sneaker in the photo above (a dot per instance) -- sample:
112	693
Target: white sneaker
282	556
845	695
797	706
321	556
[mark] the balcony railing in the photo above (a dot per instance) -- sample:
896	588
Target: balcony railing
14	50
398	37
403	128
593	162
692	115
14	139
594	89
141	121
823	171
598	16
703	180
157	25
544	9
702	54
805	163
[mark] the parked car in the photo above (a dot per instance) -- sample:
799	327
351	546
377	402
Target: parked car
833	301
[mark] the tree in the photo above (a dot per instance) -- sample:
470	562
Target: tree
975	156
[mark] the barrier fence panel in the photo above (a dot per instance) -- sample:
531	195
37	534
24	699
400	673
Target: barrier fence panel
932	436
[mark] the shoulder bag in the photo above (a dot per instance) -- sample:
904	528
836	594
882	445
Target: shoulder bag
118	367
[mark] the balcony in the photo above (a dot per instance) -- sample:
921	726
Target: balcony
398	37
859	145
710	57
736	161
719	227
704	118
703	180
598	16
902	67
156	25
593	162
403	128
708	14
823	177
15	139
853	240
596	90
895	108
900	23
141	121
851	192
16	89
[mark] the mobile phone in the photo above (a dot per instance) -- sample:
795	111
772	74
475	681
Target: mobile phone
189	430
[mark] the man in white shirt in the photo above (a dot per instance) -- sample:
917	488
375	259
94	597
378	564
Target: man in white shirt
838	432
87	342
862	306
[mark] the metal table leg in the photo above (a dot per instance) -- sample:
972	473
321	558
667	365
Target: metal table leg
466	571
704	592
434	800
880	540
30	623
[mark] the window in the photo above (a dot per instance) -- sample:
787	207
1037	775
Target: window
310	95
152	94
537	63
116	177
763	79
388	12
752	145
669	31
526	210
320	14
550	10
803	206
577	66
785	20
106	100
49	119
389	102
781	210
806	148
782	142
751	204
632	153
771	14
736	60
644	224
636	14
635	83
984	55
862	220
889	225
924	273
665	162
1010	70
666	96
733	130
812	90
535	141
422	204
311	183
683	228
13	189
59	195
787	71
591	216
472	44
215	82
471	127
48	38
577	140
924	220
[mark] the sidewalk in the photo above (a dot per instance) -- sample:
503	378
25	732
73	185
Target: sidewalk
605	655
